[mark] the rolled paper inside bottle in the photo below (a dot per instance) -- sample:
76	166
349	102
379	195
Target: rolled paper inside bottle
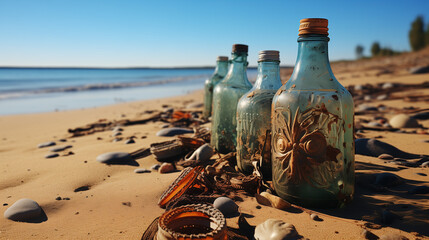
193	221
313	26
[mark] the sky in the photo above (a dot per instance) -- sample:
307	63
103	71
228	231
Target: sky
138	33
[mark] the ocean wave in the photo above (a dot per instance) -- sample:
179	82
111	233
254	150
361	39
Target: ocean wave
99	86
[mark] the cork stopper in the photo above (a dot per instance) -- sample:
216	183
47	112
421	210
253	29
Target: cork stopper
240	48
269	55
313	26
222	59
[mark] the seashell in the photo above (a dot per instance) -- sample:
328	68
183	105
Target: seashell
226	205
202	154
274	229
166	168
203	133
167	149
275	201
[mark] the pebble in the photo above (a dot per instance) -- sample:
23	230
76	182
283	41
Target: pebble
117	140
418	70
226	205
403	121
358	87
368	235
117	129
115	134
374	148
274	229
387	179
130	141
141	170
52	155
61	148
114	157
24	210
58	198
166	168
382	97
374	124
419	190
46	144
385	156
364	107
315	217
169	132
387	85
63	140
392	236
367	97
155	167
425	164
165	125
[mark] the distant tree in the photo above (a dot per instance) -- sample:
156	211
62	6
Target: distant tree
416	34
427	34
375	49
359	51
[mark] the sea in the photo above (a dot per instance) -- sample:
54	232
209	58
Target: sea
36	90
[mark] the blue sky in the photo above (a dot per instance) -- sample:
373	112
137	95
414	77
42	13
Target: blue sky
127	33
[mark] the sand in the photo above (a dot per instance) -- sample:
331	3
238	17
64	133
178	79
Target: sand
120	204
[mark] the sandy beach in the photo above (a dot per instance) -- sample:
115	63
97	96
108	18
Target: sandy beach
120	204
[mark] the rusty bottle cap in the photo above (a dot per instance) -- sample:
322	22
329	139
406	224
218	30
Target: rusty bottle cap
269	55
222	58
240	48
313	26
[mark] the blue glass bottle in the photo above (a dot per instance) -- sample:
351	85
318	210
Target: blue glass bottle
312	128
219	73
225	98
254	116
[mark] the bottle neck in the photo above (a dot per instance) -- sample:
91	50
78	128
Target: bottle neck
268	75
312	61
237	70
221	68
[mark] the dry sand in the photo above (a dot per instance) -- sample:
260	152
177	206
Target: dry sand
121	204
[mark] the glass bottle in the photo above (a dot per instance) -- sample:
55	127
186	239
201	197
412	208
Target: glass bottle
225	98
312	127
254	116
219	73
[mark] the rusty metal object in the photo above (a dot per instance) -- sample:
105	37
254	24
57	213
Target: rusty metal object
194	221
167	149
186	181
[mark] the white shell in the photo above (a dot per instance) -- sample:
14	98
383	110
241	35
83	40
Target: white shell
274	229
203	153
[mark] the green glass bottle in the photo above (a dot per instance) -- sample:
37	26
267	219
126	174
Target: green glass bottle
225	98
254	116
219	73
312	128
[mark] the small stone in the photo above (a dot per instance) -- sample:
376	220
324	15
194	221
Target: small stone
387	85
419	190
66	198
166	168
364	107
169	132
368	235
425	164
63	140
258	207
385	156
117	140
5	204
60	148
130	141
392	236
165	125
46	144
226	205
24	210
155	167
58	198
141	170
386	179
114	157
374	124
81	189
382	97
315	217
403	121
115	134
117	129
52	155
